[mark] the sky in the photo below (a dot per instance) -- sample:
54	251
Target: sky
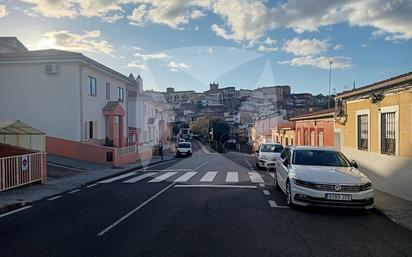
186	44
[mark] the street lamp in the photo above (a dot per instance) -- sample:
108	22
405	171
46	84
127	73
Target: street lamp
330	81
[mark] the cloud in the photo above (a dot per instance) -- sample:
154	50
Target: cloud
89	41
210	50
305	47
243	20
322	62
263	48
3	11
174	66
337	47
53	9
147	57
172	13
136	64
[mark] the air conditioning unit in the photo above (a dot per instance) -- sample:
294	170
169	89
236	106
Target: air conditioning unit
51	68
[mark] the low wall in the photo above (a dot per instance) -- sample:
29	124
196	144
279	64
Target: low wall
7	150
86	152
388	173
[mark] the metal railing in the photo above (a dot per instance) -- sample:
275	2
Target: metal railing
126	150
20	170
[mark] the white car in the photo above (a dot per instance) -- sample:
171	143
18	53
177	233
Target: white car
267	154
184	149
323	177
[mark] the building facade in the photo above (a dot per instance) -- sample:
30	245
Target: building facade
315	129
373	126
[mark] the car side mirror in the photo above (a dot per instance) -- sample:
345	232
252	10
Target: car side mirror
286	162
354	164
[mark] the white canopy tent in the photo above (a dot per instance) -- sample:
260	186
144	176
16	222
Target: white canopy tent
17	133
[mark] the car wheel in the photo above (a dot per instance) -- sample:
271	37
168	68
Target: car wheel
289	201
275	180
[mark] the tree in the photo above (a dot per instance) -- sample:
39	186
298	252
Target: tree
175	129
200	126
221	130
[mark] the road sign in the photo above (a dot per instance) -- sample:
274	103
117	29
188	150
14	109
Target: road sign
24	163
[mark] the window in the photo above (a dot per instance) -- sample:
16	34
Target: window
388	133
299	136
320	138
286	141
92	86
91	129
305	137
320	158
107	90
291	141
120	94
312	138
363	131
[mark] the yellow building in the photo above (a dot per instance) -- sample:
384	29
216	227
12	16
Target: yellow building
373	126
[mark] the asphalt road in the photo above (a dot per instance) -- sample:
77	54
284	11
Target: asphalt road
205	205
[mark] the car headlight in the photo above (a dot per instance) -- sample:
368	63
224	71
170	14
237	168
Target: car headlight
366	186
303	183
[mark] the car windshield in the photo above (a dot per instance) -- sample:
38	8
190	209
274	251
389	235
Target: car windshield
184	145
271	148
320	158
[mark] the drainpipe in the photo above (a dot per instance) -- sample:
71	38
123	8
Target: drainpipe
81	101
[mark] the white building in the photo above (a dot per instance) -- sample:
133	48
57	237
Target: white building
65	94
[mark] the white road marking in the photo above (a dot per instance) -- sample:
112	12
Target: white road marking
74	191
104	231
232	177
163	177
272	174
209	176
262	185
248	163
198	167
92	185
17	210
185	177
170	170
217	186
255	177
273	204
138	178
110	180
266	192
54	198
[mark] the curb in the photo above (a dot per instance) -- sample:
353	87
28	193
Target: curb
17	205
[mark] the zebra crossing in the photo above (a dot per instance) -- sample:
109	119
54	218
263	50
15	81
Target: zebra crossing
230	177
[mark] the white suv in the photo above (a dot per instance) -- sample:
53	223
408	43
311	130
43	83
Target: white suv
267	154
184	149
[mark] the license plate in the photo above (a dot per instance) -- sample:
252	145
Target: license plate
338	197
183	153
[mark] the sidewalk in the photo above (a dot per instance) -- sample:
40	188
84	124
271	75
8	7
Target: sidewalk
65	175
395	208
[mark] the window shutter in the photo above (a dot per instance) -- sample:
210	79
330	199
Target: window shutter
95	129
87	132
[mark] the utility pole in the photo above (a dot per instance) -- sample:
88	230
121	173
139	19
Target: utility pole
330	81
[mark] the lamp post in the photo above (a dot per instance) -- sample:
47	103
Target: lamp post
330	81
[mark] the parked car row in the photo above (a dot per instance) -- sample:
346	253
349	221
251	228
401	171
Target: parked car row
317	176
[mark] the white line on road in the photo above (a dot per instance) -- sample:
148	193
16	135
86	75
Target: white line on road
104	231
209	176
162	177
262	185
154	165
273	204
171	170
17	210
217	186
198	167
248	163
54	198
272	174
110	180
255	177
138	178
266	192
185	177
74	191
232	177
92	185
